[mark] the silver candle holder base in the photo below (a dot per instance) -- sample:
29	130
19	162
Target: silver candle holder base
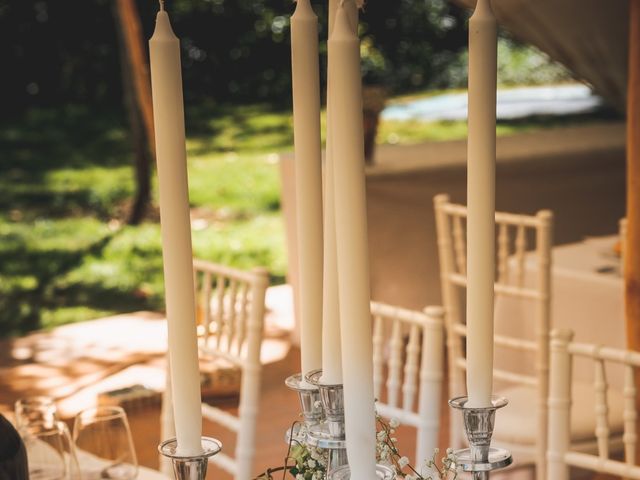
312	411
190	467
480	458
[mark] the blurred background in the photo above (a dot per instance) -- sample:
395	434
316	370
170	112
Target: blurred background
79	226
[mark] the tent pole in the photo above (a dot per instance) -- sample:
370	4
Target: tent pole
632	251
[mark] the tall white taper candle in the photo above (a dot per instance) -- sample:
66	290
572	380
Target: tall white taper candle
352	245
331	343
481	160
331	349
168	114
308	173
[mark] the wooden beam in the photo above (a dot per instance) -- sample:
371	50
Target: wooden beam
631	257
632	252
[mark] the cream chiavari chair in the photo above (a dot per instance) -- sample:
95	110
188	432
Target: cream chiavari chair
614	411
514	234
232	304
408	350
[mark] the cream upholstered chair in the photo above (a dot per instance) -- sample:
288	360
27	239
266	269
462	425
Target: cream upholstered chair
614	410
408	349
528	394
232	306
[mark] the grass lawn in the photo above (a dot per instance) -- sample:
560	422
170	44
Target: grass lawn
65	255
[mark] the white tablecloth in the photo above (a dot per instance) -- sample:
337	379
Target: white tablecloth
89	464
586	296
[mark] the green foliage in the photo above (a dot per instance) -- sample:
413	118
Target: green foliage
64	253
520	64
410	44
235	50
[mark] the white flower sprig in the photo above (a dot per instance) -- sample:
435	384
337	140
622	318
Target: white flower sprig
387	452
310	463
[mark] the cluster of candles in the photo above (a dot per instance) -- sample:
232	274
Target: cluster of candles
332	230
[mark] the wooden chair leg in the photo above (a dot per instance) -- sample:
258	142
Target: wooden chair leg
559	432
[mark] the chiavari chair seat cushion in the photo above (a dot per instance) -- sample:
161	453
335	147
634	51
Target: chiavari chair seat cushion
518	420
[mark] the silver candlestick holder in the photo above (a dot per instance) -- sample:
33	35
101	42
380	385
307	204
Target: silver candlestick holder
480	458
312	411
190	467
329	434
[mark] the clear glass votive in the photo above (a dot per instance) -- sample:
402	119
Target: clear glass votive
50	453
104	446
35	410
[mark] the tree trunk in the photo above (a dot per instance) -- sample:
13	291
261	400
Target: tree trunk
632	250
136	53
141	141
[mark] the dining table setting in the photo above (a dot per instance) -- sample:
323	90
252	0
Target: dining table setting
98	445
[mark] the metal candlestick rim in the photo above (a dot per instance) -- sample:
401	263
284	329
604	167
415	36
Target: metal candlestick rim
493	458
319	436
497	458
295	382
314	378
383	472
460	403
210	447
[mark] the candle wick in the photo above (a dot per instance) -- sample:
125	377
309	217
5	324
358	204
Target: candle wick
161	5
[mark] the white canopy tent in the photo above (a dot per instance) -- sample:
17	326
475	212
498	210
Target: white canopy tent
589	37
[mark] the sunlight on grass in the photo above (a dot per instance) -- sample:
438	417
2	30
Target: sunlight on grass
234	185
258	241
397	132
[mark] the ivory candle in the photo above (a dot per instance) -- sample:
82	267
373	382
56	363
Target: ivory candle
331	347
352	245
308	174
168	116
481	160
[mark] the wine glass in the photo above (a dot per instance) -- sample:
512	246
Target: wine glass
35	410
104	446
49	452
